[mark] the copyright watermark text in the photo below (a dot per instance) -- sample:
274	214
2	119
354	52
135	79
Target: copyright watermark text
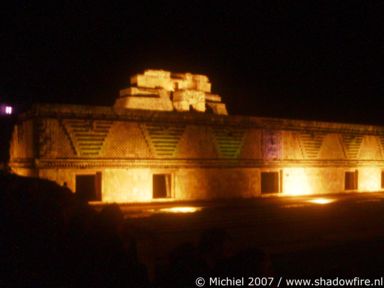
236	281
287	282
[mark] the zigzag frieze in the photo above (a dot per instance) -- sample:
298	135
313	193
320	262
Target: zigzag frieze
162	139
229	141
352	143
87	136
311	142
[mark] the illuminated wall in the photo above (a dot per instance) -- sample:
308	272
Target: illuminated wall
310	180
369	179
207	156
297	181
22	148
127	185
22	145
216	183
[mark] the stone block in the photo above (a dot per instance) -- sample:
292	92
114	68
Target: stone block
218	108
133	91
206	87
154	79
181	106
144	103
193	98
188	81
212	98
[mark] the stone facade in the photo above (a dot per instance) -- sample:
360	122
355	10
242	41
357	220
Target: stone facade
148	147
200	156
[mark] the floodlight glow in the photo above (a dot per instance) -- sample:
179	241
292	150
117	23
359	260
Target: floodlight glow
296	182
183	209
321	201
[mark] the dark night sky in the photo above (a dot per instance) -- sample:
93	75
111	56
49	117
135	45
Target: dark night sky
297	59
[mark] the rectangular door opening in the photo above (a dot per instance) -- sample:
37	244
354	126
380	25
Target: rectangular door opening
88	187
161	186
351	180
270	182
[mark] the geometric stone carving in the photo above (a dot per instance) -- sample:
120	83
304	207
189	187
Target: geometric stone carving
291	148
126	140
381	137
45	138
352	144
332	147
87	136
311	142
197	142
229	141
163	139
370	148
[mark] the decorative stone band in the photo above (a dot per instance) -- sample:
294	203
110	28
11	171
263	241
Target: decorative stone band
110	113
196	163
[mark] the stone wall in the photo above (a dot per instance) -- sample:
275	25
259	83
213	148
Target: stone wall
206	157
135	184
95	139
22	142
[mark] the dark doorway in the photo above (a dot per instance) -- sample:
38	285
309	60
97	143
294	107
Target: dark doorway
382	179
161	185
88	187
269	182
350	182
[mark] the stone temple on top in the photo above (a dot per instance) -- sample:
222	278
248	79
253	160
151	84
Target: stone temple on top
165	91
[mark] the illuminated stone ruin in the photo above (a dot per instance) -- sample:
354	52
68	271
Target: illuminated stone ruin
120	155
165	91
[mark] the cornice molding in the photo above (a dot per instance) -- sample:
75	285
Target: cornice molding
168	118
196	163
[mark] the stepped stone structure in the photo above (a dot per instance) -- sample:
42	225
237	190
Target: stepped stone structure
165	91
150	146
